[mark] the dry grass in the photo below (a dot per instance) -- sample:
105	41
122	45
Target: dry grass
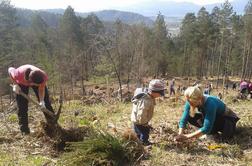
16	149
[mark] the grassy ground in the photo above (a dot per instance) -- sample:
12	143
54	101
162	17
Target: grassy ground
16	149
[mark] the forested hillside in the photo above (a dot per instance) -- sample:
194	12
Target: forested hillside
25	16
52	16
77	49
94	64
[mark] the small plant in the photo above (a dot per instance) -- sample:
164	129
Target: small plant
13	118
83	122
102	148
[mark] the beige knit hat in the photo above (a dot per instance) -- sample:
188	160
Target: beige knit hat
156	85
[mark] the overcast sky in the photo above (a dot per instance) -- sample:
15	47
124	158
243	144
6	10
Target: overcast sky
91	5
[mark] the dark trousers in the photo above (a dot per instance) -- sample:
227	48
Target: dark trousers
224	124
172	91
142	132
22	104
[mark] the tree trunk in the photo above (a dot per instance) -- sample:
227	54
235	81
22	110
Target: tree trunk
117	73
247	62
1	101
219	61
243	60
213	58
185	61
82	75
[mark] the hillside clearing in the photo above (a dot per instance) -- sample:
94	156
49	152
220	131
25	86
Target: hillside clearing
33	149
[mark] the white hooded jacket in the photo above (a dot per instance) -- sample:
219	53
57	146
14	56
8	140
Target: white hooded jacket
142	110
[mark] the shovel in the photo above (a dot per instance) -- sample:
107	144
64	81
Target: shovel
44	110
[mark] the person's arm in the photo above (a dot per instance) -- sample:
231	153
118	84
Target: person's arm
10	72
181	131
209	119
183	122
207	126
195	134
183	137
184	117
210	116
145	111
41	92
15	86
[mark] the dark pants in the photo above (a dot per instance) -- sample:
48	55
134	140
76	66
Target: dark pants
224	124
22	104
244	93
142	132
172	91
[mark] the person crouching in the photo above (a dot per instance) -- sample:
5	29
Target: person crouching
212	116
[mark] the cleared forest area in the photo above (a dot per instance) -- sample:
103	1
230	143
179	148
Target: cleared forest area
95	66
114	117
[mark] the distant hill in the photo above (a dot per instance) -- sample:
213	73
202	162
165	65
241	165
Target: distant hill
52	16
126	17
24	17
178	9
112	16
173	12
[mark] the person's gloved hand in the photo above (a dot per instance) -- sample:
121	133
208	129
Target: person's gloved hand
42	104
16	89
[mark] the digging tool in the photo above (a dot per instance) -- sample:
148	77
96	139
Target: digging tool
44	110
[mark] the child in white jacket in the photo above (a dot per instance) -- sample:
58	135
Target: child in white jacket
143	108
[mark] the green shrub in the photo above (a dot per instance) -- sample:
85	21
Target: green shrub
102	148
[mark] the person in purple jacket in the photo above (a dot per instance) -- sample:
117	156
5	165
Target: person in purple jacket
250	89
208	113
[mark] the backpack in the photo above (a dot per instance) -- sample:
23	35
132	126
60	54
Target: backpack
138	115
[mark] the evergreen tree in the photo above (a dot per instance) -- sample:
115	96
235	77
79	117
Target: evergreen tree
160	58
71	41
246	70
203	32
9	42
8	33
226	13
187	33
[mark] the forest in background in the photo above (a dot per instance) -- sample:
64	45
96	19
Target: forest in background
216	43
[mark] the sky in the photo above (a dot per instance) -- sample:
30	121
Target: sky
92	5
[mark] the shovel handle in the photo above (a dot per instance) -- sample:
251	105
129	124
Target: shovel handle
45	110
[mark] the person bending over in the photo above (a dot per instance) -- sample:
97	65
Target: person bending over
23	78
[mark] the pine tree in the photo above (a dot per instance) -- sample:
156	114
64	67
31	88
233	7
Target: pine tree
161	46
